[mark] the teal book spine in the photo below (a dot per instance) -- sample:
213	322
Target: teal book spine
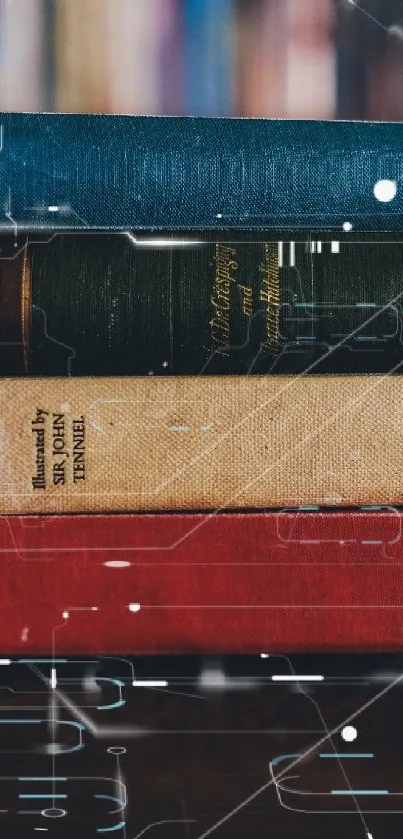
89	172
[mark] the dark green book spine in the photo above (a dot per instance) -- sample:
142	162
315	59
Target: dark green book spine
117	304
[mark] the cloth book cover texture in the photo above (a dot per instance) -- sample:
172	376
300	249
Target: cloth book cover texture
88	304
292	581
130	444
94	171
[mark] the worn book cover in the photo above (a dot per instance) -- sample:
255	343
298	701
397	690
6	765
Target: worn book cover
195	172
295	580
129	444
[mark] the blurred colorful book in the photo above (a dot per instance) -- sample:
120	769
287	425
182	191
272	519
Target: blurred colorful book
81	56
133	47
268	58
286	59
23	52
209	57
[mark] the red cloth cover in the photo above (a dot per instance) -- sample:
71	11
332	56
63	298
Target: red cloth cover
287	581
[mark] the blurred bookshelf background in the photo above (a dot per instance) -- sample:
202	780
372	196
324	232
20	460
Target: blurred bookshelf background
318	59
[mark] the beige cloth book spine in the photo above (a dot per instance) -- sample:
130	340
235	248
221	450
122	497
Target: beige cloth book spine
118	444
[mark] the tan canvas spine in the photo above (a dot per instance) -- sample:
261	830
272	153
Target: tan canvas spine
119	444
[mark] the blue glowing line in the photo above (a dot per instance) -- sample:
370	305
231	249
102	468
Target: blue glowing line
339	754
38	778
114	681
281	758
111	798
42	660
118	704
34	795
69	751
109	829
78	725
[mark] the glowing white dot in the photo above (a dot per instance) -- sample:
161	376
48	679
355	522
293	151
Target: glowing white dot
134	607
347	226
212	677
349	733
53	208
117	563
53	749
65	615
385	191
91	685
264	655
219	215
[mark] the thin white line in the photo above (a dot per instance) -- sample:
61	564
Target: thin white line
150	683
166	821
297	678
299	759
167	243
280	254
292	253
269	606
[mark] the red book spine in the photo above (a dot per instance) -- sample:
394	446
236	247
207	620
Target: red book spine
278	582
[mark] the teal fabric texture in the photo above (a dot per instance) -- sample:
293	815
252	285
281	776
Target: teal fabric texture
139	172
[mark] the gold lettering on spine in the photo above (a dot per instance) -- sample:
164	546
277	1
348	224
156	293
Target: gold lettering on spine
220	300
270	294
25	305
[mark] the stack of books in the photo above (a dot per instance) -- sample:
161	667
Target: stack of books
201	397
